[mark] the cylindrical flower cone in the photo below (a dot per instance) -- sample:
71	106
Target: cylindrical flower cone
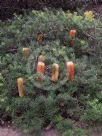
41	69
41	58
26	52
72	33
72	42
55	72
20	84
40	38
70	70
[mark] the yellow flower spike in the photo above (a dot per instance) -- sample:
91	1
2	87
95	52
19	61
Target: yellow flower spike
89	15
55	72
20	84
41	58
26	52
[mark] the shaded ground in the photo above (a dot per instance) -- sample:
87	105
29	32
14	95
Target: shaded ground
97	131
12	132
9	132
50	133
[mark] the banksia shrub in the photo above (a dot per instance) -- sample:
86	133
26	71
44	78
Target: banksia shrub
45	101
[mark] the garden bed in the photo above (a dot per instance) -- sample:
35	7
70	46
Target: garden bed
60	38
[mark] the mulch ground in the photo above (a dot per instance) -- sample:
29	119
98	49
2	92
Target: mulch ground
8	131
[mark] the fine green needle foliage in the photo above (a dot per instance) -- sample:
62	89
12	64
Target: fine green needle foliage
46	103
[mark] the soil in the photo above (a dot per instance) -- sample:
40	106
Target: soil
51	132
97	131
8	131
12	132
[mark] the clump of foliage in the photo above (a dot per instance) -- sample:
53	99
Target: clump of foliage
94	112
46	102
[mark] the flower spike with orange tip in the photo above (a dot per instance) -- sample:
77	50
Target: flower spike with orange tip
70	70
20	84
41	69
72	33
26	52
55	72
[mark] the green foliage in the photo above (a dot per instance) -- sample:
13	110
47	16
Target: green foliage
46	102
93	112
1	81
64	125
68	133
66	128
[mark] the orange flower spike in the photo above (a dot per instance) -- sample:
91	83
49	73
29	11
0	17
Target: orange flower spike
72	33
55	72
26	52
41	67
20	84
41	70
70	70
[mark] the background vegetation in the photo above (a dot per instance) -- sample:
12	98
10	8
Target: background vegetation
8	7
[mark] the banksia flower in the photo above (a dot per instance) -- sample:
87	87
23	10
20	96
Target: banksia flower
40	38
41	58
20	84
72	33
41	69
55	72
70	70
26	52
72	42
89	15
